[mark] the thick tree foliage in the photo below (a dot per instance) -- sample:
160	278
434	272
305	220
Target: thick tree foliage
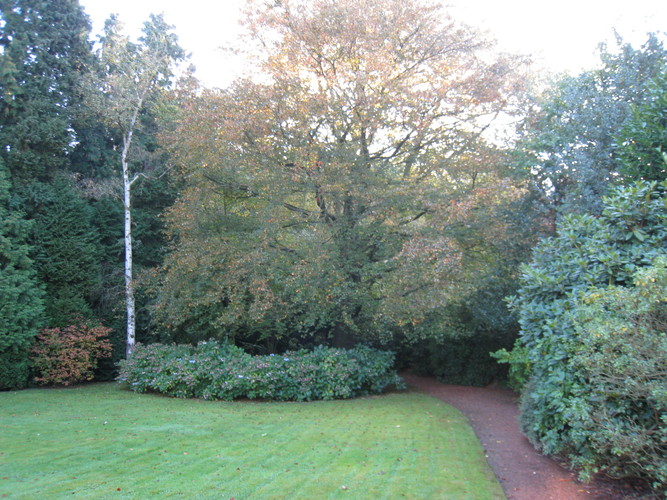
643	139
43	49
66	253
329	195
47	132
571	141
21	306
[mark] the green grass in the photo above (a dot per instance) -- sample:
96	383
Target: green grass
100	441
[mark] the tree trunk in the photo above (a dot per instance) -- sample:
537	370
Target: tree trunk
127	211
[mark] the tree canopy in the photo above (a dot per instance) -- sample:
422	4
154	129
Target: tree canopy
319	191
44	50
571	141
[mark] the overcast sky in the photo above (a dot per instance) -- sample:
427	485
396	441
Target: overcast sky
562	35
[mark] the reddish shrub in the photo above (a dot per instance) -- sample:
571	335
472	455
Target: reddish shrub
64	356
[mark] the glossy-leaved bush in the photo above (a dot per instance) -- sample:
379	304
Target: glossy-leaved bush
622	353
566	325
212	370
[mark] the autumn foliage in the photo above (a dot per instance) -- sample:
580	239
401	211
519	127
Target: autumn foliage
64	356
325	196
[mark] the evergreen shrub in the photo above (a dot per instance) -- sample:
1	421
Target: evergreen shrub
622	353
221	371
595	366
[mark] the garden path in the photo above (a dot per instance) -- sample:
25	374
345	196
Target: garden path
523	473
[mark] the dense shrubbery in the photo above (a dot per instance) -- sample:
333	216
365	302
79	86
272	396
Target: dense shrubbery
569	342
64	356
622	352
21	305
221	371
463	361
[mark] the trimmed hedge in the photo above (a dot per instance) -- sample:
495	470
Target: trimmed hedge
220	371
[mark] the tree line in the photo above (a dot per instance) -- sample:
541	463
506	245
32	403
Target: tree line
348	190
79	127
378	176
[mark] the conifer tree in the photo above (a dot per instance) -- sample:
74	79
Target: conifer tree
67	254
43	48
21	306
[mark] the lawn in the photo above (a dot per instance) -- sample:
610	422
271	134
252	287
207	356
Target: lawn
100	441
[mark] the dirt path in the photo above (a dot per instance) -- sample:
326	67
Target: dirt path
523	473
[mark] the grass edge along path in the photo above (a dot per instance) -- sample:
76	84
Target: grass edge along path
100	441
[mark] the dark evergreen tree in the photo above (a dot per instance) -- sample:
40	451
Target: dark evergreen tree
21	306
44	51
67	254
43	48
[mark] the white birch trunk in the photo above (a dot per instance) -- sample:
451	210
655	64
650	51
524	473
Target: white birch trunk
127	212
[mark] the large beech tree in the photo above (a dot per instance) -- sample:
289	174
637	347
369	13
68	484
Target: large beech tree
324	193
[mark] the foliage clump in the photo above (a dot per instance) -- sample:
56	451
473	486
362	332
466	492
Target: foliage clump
462	360
222	371
347	196
68	355
623	353
67	253
592	337
592	129
643	139
21	297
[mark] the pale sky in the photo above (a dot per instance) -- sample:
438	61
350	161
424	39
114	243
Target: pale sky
562	35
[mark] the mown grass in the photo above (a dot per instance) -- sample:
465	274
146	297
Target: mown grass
100	441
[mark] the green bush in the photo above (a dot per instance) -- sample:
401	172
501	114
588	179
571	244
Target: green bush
622	352
221	371
519	365
587	253
14	368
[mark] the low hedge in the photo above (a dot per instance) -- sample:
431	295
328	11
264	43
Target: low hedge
224	372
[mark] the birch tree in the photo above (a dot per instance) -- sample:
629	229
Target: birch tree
130	77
